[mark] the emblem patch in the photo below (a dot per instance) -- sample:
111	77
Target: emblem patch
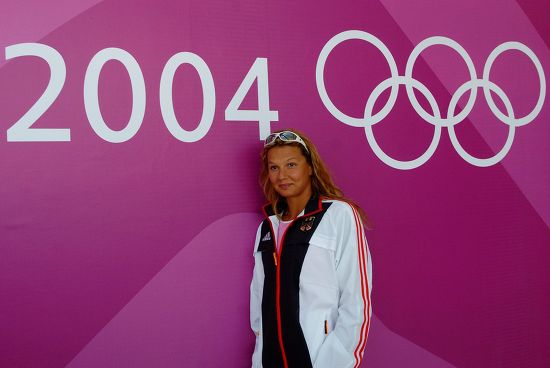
307	223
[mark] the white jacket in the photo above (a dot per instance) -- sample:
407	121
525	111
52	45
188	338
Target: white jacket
310	302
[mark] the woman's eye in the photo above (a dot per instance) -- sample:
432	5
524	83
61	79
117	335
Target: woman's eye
291	164
273	168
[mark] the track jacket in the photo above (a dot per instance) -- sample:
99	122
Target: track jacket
310	301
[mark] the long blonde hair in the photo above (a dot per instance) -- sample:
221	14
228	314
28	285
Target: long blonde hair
321	181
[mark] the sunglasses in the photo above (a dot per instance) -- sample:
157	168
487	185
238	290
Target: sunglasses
284	136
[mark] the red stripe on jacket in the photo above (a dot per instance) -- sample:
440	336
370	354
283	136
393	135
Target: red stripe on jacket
358	353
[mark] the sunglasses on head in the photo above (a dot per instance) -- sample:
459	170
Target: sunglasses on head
284	136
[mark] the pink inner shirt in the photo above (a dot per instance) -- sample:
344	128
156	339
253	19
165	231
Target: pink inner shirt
280	232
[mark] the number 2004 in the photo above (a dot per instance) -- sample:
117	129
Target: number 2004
22	130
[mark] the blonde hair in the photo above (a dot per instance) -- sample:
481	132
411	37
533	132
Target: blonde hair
321	181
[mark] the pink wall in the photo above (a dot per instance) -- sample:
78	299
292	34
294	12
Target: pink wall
138	253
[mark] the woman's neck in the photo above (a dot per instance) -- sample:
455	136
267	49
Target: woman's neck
294	207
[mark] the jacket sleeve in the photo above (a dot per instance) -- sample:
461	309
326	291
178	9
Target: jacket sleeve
344	345
256	292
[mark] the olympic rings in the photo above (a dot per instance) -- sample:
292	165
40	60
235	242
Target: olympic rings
411	84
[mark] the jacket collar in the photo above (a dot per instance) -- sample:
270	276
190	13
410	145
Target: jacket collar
313	205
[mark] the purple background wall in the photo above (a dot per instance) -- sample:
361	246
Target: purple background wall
138	254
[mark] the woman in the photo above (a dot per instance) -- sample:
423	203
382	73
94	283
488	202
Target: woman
310	292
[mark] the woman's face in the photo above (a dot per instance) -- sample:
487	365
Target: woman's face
289	172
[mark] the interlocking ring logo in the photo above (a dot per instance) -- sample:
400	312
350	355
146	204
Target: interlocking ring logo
393	82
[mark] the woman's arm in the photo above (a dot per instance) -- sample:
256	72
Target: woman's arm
344	345
256	292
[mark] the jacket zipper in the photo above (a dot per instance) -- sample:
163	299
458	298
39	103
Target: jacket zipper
277	261
277	258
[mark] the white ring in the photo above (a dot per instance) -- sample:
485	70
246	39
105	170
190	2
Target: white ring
444	41
481	162
402	165
320	69
542	92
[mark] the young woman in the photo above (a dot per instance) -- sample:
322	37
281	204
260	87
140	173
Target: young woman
310	293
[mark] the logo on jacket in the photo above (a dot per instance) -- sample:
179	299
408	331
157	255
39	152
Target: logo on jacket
266	237
307	223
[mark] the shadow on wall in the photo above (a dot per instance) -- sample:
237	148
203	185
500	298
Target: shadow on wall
195	312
